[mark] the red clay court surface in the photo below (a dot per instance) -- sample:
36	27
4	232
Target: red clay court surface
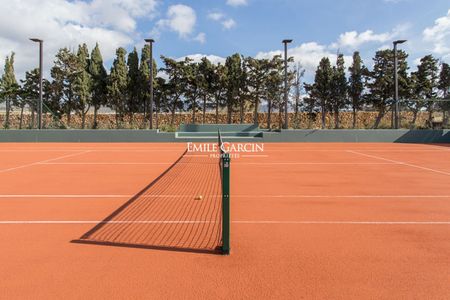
309	221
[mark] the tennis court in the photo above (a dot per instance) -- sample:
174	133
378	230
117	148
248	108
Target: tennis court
321	221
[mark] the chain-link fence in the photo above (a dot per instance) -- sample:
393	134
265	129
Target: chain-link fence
436	112
25	116
414	114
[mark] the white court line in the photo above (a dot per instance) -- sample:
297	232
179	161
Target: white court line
313	163
343	150
347	222
43	161
399	162
340	196
106	163
104	222
236	162
233	196
92	150
20	222
123	163
65	196
267	149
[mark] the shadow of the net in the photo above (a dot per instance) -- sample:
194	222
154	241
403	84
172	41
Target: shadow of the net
165	214
217	251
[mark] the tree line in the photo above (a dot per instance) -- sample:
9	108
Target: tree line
80	83
419	90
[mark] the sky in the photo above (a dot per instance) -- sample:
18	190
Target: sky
218	28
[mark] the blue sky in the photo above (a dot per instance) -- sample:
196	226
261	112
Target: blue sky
262	24
222	27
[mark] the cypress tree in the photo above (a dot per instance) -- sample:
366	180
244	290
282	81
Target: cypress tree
234	74
64	74
206	70
176	84
133	83
191	76
322	87
144	80
218	87
99	81
29	92
83	83
381	81
444	86
425	84
356	85
444	80
257	73
118	84
273	86
9	86
339	89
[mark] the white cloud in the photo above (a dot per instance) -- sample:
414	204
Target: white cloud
227	23
120	14
137	8
308	55
353	39
198	58
237	2
201	38
216	16
64	23
385	47
180	19
439	35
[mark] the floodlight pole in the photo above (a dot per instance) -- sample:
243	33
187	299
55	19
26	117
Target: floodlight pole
397	107
41	42
150	42
286	117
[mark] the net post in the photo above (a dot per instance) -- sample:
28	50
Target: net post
226	204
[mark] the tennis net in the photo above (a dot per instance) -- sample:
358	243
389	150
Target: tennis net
185	209
224	163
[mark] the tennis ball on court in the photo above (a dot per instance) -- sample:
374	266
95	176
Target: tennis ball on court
199	197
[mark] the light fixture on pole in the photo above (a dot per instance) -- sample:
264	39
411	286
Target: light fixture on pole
286	118
150	64
41	42
397	107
